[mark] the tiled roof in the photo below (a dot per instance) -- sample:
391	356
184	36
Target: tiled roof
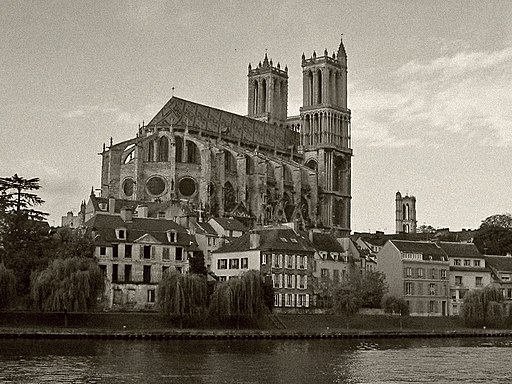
467	250
278	239
326	242
105	226
205	229
426	248
499	263
230	224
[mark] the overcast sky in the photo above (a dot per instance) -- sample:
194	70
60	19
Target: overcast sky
430	89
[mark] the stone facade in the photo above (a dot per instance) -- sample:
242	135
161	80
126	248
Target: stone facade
266	168
405	213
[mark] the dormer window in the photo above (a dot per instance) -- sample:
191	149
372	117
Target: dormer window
283	240
103	206
172	236
121	234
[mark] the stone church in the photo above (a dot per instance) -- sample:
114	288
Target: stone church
263	168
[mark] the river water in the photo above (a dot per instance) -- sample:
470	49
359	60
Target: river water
256	361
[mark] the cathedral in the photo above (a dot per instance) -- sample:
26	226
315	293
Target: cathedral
263	168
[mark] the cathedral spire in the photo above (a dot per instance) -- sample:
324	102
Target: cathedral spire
341	49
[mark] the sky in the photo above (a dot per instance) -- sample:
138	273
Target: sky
430	90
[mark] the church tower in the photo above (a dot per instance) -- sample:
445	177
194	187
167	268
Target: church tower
268	92
325	135
405	213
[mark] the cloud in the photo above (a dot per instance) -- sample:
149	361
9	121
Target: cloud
466	95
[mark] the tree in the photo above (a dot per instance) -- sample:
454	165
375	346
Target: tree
346	301
7	286
71	284
182	294
494	236
483	307
197	264
17	196
372	287
243	297
395	305
426	229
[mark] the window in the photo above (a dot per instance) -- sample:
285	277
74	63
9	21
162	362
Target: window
114	273
505	277
303	260
420	273
146	274
172	236
179	254
283	240
409	289
222	264
290	262
458	280
467	263
127	272
290	281
336	275
179	269
293	240
151	295
509	293
276	300
222	278
103	269
209	241
121	234
476	263
245	263
408	272
234	263
165	253
276	279
324	272
127	251
432	289
456	261
288	299
432	306
264	259
478	281
147	251
103	251
115	250
434	273
443	274
165	269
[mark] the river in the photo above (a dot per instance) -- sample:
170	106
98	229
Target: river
257	361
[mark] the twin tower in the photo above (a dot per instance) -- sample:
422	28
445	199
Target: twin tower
323	124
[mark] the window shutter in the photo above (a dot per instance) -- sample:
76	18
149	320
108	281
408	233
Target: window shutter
273	280
305	262
305	281
280	280
273	262
293	280
294	261
307	300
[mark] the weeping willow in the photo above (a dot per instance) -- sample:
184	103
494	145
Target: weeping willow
483	307
180	294
240	297
71	284
7	286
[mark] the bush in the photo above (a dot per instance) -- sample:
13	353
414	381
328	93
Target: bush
395	305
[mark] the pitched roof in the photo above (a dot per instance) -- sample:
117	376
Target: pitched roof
105	225
275	239
467	250
205	228
426	248
499	263
230	224
326	242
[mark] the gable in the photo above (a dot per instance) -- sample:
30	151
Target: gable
147	239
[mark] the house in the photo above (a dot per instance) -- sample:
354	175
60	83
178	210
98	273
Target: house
467	272
227	227
207	239
417	271
134	254
277	252
501	274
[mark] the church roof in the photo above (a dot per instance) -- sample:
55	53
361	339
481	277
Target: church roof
219	123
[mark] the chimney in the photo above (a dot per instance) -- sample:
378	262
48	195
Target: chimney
126	215
310	233
142	211
254	240
111	205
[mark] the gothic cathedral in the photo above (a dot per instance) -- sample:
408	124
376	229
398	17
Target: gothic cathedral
263	168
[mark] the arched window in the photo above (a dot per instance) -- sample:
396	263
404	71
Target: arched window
151	150
338	212
179	149
229	197
319	95
264	96
404	217
270	172
163	149
304	208
311	164
310	88
193	155
256	95
407	211
339	166
287	175
249	165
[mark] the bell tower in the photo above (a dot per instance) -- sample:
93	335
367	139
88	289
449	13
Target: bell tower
268	92
325	135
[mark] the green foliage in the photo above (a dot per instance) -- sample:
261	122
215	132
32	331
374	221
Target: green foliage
72	284
395	305
16	196
372	287
197	266
240	297
7	286
483	307
494	237
346	300
182	294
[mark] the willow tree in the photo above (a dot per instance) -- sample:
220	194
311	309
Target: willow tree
483	307
347	301
182	295
72	284
243	297
7	286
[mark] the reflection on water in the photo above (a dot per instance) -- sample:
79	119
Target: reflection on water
256	361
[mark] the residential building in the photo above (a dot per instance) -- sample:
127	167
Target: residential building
501	275
467	272
417	271
277	252
135	253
